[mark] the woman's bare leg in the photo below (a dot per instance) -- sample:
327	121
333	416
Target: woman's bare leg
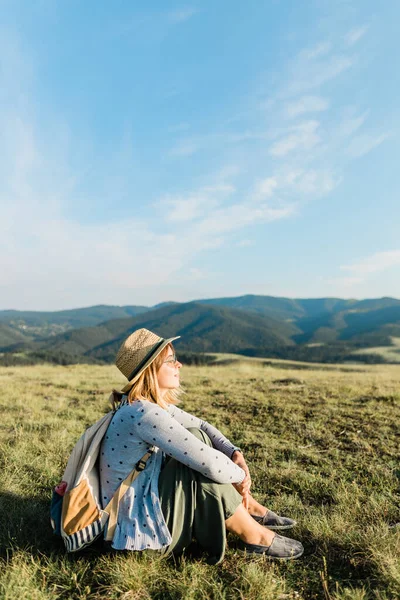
255	508
248	529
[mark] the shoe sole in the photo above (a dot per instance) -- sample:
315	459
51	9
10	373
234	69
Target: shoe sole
291	557
280	527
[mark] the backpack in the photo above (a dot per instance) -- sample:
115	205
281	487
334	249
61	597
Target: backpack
75	512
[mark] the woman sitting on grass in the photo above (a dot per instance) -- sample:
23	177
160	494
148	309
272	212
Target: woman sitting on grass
196	483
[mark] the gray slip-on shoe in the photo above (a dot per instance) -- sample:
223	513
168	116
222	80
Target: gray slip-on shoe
281	548
274	521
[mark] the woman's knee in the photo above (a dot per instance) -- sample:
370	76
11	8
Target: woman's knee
200	434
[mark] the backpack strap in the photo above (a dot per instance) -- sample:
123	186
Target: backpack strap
113	506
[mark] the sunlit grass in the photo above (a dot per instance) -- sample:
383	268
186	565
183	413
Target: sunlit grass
323	445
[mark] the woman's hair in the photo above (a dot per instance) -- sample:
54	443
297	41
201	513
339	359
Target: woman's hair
146	387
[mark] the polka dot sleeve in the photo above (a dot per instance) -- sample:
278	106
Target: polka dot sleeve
218	440
158	427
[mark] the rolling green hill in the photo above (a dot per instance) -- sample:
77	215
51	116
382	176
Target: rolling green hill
76	317
357	323
10	336
24	326
286	309
322	330
203	329
369	322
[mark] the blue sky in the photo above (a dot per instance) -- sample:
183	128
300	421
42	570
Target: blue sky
173	151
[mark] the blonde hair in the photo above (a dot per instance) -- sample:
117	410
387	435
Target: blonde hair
147	388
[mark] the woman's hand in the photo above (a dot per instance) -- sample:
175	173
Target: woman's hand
244	487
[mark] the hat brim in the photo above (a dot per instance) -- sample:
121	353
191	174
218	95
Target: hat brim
152	357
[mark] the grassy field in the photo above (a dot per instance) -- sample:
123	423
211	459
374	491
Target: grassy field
323	446
388	353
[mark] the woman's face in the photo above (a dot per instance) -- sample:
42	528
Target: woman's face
168	373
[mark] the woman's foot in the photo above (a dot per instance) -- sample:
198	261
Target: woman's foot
257	539
274	521
260	536
281	548
248	529
268	518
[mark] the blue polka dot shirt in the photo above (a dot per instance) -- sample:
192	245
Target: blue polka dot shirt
133	430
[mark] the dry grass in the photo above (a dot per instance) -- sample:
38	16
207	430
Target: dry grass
323	444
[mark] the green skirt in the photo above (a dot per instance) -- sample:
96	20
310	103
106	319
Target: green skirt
195	507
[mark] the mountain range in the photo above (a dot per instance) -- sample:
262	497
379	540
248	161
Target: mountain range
325	329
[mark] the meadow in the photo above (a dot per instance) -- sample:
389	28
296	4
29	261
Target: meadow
323	446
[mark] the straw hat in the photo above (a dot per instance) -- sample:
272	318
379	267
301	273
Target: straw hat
137	352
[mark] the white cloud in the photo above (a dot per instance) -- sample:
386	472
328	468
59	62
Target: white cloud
195	274
187	208
265	188
320	49
61	263
184	148
245	243
351	124
307	75
295	183
306	104
51	261
362	144
344	282
238	216
268	104
312	182
182	15
355	35
193	205
359	273
220	188
244	136
48	260
229	171
380	261
303	137
210	141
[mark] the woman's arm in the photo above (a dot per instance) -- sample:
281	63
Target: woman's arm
158	427
219	441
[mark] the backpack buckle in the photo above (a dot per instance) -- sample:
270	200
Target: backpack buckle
140	465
